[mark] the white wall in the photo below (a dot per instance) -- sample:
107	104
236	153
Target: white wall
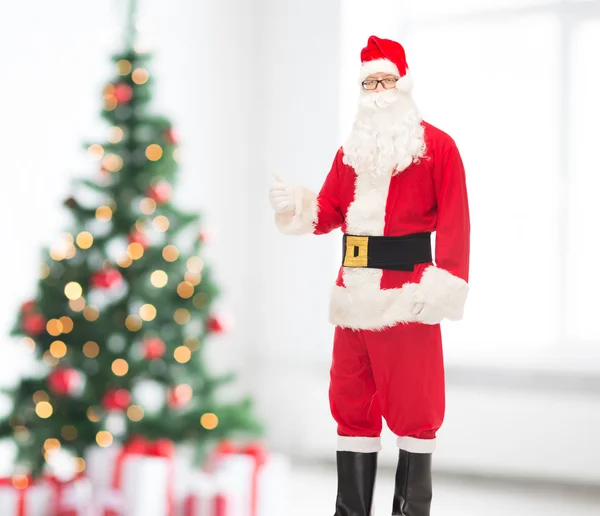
295	125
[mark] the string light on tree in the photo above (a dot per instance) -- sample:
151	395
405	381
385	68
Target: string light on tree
140	76
185	290
195	264
112	163
73	290
124	67
133	322
103	213
104	438
159	279
209	421
120	367
182	316
43	409
77	305
67	324
135	251
80	464
85	240
148	312
182	354
110	101
91	313
170	253
54	327
161	223
58	349
147	206
93	414
91	349
135	413
96	152
28	343
115	134
49	359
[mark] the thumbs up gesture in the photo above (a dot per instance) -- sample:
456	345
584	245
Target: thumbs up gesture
281	196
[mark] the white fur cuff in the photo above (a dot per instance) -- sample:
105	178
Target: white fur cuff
304	217
359	444
414	445
443	291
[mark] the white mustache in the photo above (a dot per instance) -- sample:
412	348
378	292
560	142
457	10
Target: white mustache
379	100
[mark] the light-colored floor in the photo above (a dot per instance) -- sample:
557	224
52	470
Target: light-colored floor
313	494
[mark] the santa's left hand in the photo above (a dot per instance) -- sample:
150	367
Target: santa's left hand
426	313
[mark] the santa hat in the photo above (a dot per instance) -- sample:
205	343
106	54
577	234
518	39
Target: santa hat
385	55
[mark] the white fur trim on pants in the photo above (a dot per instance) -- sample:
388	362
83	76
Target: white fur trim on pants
359	444
414	445
304	217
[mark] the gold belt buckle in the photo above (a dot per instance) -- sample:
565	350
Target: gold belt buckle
354	258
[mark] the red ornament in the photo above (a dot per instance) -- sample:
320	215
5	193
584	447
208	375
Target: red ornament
64	382
138	237
28	306
206	236
178	397
154	348
106	278
34	323
160	192
123	93
170	136
116	400
215	324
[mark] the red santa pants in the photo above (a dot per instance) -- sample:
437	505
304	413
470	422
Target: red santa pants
396	374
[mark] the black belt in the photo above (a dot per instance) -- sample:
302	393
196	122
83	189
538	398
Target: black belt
395	253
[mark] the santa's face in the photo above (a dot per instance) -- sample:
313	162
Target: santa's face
377	82
387	135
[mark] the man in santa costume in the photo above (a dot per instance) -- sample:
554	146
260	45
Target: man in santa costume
395	181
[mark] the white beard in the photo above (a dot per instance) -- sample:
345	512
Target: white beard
387	135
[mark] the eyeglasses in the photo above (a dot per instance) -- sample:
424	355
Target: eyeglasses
388	83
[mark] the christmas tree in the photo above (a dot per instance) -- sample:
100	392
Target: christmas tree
123	308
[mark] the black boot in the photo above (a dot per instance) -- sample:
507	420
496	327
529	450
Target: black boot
356	482
412	495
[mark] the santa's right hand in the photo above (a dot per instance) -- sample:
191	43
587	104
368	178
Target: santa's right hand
281	196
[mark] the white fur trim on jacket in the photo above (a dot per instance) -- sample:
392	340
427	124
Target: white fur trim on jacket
304	217
368	307
414	445
377	66
442	292
359	444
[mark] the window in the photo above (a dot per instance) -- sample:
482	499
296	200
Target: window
515	84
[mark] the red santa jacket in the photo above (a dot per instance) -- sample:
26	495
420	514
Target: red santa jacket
428	196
